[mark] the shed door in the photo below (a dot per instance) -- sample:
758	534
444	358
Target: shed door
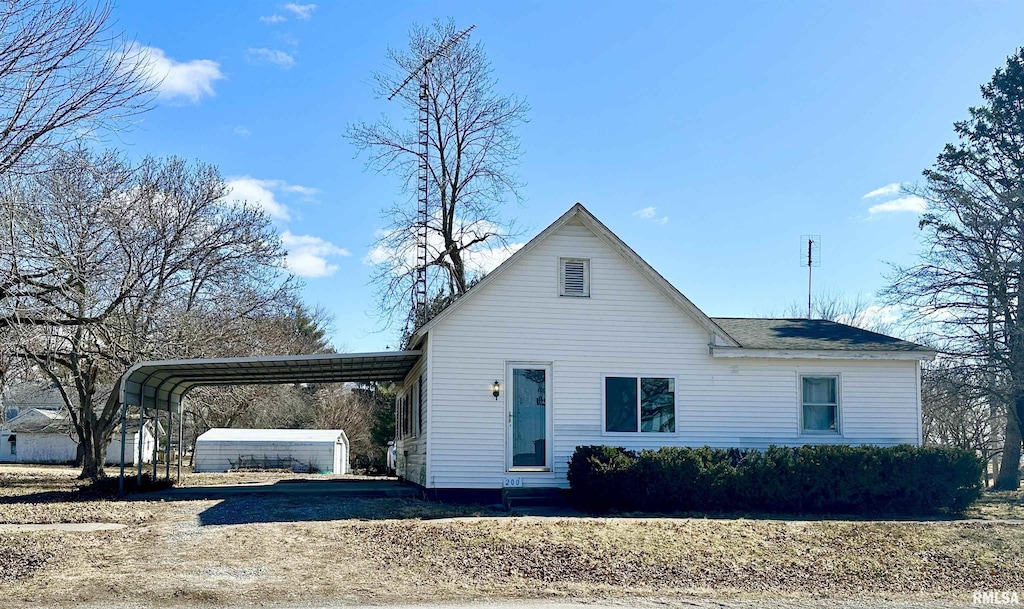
528	402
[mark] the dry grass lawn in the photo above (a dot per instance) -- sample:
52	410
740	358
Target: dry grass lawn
295	549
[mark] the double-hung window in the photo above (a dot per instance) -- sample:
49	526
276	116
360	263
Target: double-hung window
819	402
639	404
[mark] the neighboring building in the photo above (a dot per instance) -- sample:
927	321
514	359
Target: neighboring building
24	396
42	435
584	343
301	450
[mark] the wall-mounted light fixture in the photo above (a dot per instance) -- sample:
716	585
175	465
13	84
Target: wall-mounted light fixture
496	389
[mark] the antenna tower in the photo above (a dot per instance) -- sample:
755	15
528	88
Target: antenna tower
810	256
419	288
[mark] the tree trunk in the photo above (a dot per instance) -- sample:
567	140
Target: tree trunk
458	270
92	467
1008	478
94	454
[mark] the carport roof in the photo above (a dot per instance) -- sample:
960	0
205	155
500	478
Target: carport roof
166	381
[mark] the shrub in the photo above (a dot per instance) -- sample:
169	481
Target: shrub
823	479
602	474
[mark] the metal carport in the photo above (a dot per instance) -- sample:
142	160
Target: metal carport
162	385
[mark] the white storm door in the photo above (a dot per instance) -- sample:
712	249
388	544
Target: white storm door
528	401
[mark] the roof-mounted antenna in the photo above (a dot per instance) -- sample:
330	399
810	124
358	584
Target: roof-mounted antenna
810	256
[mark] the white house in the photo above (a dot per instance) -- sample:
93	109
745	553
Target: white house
301	450
43	435
575	340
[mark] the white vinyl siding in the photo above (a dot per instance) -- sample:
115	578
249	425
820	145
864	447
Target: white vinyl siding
411	448
61	448
626	325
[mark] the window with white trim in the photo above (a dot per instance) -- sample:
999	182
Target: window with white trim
639	404
574	277
819	403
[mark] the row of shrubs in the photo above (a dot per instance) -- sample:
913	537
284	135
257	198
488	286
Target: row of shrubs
822	479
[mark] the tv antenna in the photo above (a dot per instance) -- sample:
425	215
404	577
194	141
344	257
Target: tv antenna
419	288
810	256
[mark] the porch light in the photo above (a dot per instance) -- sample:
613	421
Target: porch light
496	389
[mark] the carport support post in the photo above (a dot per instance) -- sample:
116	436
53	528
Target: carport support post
138	439
167	445
156	430
156	435
124	430
181	433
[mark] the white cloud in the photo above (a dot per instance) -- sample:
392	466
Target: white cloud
301	11
308	255
275	18
191	80
650	213
479	259
886	191
911	203
487	259
264	193
274	56
242	130
305	191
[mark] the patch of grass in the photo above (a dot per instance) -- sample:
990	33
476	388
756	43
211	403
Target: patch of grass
189	478
997	505
56	495
21	555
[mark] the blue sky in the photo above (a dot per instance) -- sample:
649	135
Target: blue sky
708	136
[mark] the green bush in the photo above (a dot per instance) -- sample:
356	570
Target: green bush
823	479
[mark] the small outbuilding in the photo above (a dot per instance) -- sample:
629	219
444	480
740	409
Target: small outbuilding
300	450
40	435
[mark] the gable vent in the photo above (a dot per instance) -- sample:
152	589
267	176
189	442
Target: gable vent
574	277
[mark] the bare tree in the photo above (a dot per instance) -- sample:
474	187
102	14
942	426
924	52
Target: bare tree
833	305
473	150
110	264
63	72
956	409
341	406
296	331
965	288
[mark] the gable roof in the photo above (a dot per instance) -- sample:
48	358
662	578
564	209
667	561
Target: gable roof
40	420
33	395
588	220
809	334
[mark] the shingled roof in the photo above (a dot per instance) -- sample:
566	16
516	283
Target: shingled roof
809	334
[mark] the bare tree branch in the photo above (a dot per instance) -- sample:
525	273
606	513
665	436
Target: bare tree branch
473	151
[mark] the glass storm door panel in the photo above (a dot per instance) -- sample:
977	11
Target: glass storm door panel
528	417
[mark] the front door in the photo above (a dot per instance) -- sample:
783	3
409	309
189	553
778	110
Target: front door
529	417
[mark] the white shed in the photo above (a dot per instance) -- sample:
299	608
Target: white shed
301	450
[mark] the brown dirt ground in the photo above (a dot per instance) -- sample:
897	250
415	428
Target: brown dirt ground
301	549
